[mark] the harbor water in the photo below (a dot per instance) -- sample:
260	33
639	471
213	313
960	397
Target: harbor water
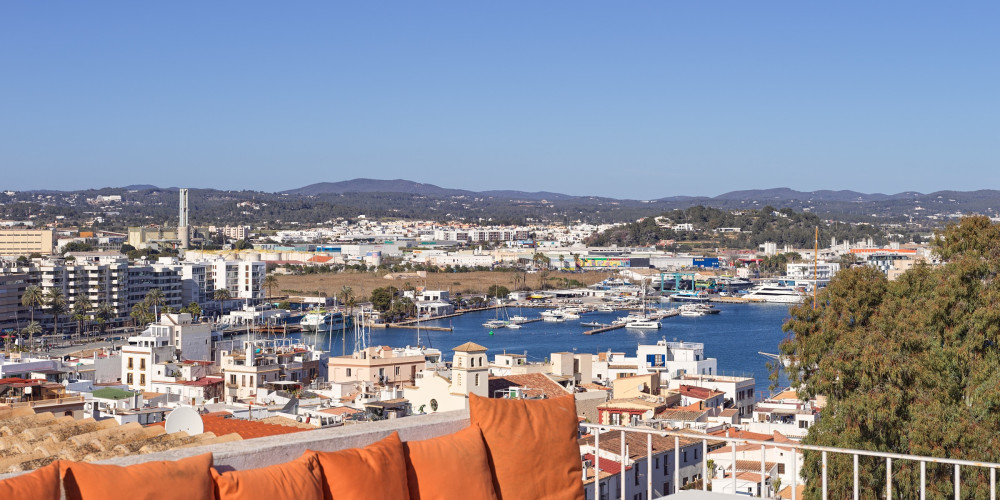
734	336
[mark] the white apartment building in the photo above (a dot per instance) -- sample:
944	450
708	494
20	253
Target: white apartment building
174	337
258	363
483	234
243	278
739	391
806	270
669	359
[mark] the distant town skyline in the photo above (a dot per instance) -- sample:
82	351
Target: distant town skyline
633	101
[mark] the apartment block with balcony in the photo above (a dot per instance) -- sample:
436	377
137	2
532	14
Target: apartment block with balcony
258	363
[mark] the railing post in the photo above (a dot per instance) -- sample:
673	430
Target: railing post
649	466
621	475
677	464
704	465
597	464
958	482
824	475
888	478
993	483
795	473
855	476
923	480
763	453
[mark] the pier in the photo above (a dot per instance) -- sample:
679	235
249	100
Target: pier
656	316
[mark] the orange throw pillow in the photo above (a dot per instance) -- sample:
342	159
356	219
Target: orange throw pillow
42	484
532	446
449	467
185	479
296	480
375	471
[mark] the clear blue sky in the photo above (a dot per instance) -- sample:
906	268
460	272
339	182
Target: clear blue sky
625	99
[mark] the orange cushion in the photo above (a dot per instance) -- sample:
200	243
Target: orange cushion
296	480
185	479
375	471
449	467
41	484
532	446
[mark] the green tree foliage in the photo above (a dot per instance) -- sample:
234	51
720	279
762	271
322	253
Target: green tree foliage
382	298
908	366
77	246
498	291
784	227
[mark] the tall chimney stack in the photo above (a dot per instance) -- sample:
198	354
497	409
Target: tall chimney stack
182	224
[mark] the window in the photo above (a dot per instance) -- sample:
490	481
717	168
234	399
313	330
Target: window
685	458
696	453
128	379
781	468
657	463
397	371
636	478
477	380
142	363
130	363
142	379
348	372
232	379
459	375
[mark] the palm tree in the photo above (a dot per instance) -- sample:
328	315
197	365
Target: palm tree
81	311
154	297
194	309
140	314
105	312
56	302
30	330
32	298
270	283
222	295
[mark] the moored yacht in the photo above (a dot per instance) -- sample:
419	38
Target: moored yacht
322	321
780	294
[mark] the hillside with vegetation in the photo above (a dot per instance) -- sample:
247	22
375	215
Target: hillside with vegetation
718	228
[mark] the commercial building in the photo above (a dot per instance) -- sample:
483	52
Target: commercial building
27	241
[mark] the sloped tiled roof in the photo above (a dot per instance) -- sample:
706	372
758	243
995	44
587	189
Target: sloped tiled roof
470	347
36	440
246	429
535	385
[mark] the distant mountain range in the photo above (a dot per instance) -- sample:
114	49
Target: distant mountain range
326	201
776	196
410	187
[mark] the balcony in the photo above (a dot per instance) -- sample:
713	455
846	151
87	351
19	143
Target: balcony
825	453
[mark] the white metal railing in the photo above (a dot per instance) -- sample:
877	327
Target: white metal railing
798	447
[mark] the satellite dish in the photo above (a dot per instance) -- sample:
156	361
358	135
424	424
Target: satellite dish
185	419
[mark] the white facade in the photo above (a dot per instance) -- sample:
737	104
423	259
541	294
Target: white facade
738	390
174	337
805	270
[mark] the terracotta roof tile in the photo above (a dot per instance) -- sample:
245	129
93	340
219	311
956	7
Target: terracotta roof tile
535	385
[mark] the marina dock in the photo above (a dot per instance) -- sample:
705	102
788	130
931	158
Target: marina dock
657	316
